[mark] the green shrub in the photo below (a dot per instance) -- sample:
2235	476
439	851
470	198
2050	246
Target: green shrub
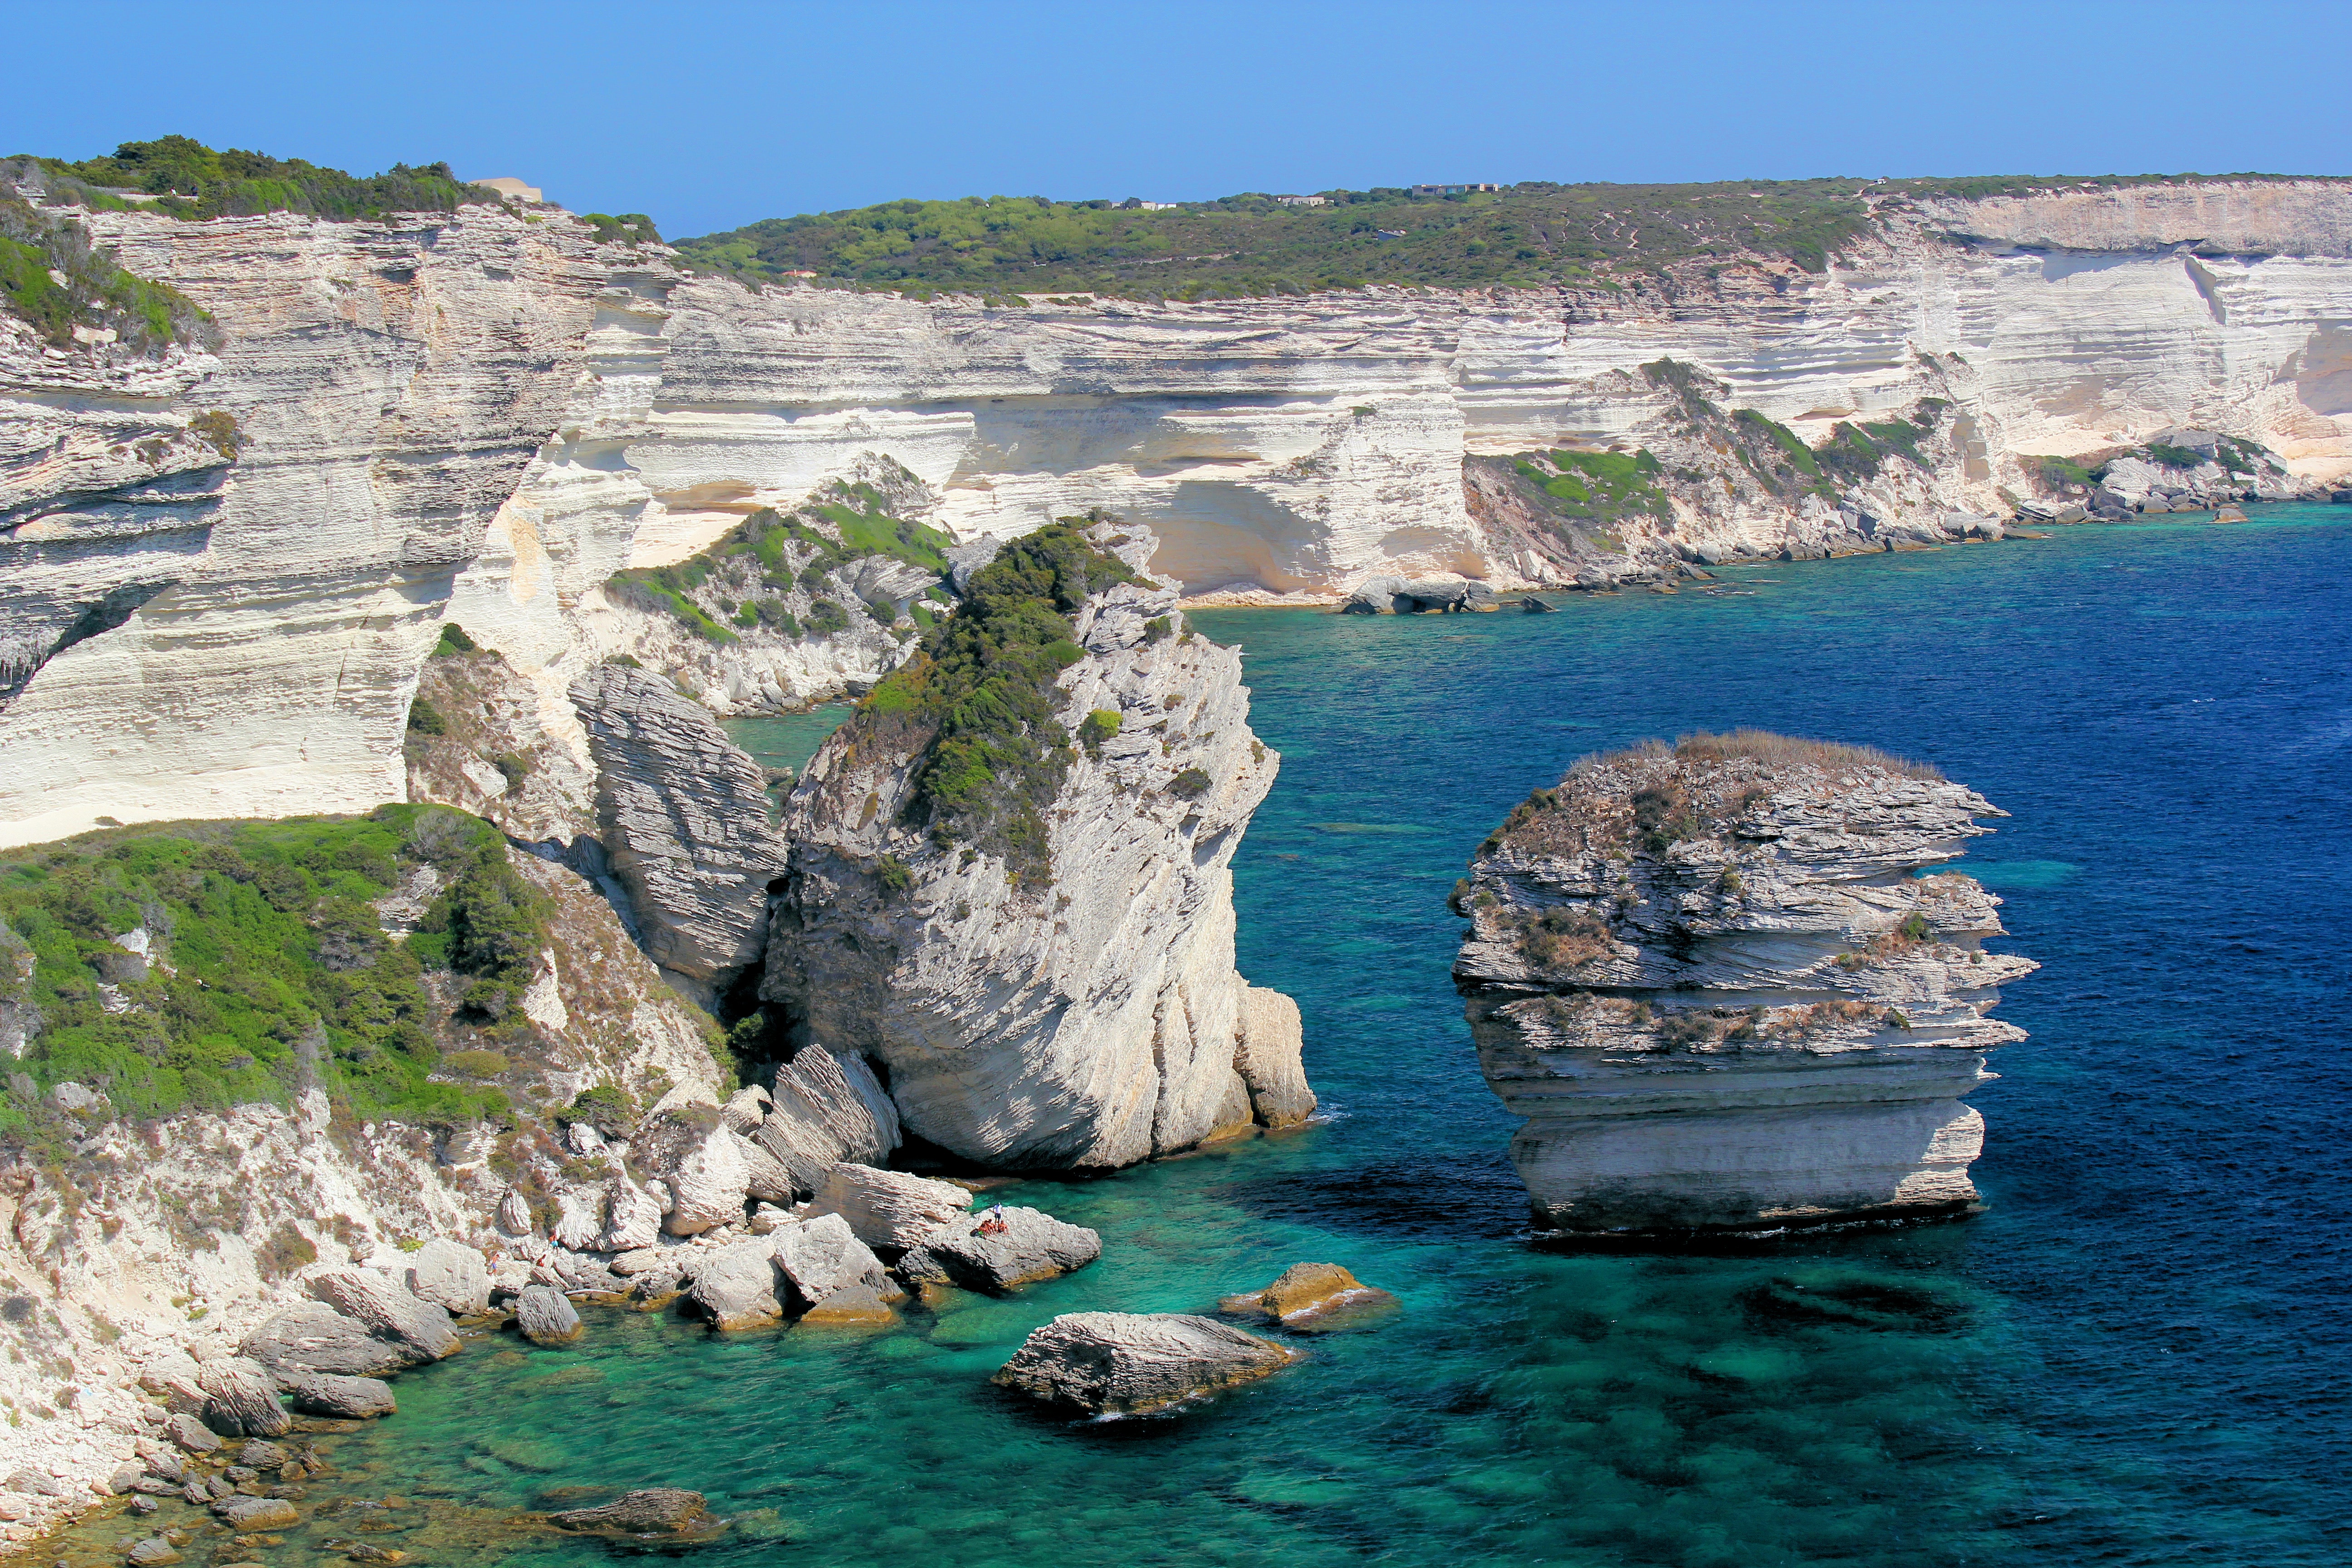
894	876
1189	784
2174	457
424	719
454	642
277	972
825	618
1099	726
198	182
977	698
1915	929
474	1064
605	1109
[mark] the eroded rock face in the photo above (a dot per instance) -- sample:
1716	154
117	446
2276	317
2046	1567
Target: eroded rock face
1092	1019
241	1400
1129	1363
1714	982
696	861
312	1337
388	1309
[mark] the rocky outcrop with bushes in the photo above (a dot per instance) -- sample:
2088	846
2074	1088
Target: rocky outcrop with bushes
1009	879
1730	987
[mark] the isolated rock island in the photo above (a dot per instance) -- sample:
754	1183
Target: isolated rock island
1724	988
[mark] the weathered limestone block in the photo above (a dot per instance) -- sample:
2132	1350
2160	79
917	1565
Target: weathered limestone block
1129	1362
451	1276
820	1256
1305	1292
890	1209
241	1399
388	1309
311	1336
1267	1054
344	1398
735	1287
696	861
1032	1247
544	1316
1718	984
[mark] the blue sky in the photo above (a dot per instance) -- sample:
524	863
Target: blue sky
708	116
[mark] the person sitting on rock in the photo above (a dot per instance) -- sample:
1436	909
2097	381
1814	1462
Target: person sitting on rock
994	1224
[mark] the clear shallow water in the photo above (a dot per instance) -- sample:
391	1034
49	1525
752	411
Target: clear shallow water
2138	1355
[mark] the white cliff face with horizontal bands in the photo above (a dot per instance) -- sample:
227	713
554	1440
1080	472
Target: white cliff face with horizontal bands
1714	982
1091	1020
478	417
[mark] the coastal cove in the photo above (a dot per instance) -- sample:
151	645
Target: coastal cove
2137	1355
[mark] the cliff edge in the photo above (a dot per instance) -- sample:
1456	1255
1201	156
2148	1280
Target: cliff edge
1718	983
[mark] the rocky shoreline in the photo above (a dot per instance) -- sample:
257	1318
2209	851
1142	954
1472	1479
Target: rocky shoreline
238	1449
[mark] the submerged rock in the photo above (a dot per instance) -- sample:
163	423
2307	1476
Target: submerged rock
246	1515
1305	1292
544	1316
1129	1363
657	1514
859	1306
1716	983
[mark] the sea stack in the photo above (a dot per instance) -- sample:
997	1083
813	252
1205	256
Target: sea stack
1723	986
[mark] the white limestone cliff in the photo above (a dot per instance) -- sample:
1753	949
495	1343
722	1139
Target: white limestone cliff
1078	1009
481	416
1718	984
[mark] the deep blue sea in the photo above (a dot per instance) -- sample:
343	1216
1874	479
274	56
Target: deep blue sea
2138	1354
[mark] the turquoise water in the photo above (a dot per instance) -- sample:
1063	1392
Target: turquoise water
789	739
2138	1355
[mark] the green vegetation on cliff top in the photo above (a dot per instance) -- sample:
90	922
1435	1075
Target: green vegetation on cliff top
978	698
269	969
1530	234
189	180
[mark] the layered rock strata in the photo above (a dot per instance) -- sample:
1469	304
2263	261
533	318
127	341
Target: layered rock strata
1076	1006
682	819
476	417
1727	990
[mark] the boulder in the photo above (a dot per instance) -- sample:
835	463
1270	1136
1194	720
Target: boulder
826	1108
766	1178
633	1218
2231	514
452	1277
707	1188
1129	1363
191	1434
241	1398
663	1513
152	1552
735	1287
1267	1040
821	1256
1032	1245
261	1454
889	1208
514	1213
579	1217
337	1398
387	1308
745	1111
860	1305
250	1515
1375	597
543	1315
314	1337
1307	1291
